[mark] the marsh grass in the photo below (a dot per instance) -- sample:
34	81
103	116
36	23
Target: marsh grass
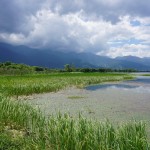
29	84
75	97
23	127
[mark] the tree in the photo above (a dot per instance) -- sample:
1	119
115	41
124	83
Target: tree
7	63
39	69
68	68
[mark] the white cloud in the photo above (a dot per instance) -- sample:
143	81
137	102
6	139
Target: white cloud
138	50
102	27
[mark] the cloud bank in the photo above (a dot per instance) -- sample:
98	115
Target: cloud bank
104	27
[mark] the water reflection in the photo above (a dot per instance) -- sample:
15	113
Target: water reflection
106	86
140	84
140	79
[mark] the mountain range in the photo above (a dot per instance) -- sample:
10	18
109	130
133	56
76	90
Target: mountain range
55	59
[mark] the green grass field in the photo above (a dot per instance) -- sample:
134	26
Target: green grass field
23	127
29	84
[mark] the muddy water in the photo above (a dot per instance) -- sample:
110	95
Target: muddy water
116	101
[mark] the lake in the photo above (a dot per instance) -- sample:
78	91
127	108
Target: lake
140	84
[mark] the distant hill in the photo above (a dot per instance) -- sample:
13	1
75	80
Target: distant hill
54	59
134	62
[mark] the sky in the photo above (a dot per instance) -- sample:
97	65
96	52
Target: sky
103	27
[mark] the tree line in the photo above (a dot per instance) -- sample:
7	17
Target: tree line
19	69
71	68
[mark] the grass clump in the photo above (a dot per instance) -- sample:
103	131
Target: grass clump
23	127
76	97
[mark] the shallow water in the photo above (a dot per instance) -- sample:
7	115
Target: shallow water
141	82
119	101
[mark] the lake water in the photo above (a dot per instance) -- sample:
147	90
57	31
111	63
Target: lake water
140	84
124	100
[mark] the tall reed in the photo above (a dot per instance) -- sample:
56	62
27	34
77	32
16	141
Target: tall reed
63	132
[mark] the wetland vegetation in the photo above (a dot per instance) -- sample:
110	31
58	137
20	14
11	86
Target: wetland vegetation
40	83
23	127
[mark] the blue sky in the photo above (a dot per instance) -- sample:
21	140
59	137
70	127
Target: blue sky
135	23
104	27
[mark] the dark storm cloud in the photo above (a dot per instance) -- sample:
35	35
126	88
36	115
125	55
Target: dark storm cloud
109	10
137	7
14	14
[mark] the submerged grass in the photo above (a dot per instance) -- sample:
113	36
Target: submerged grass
22	127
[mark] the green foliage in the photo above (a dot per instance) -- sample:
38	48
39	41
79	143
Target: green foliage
29	84
23	127
68	68
63	132
9	68
7	63
104	70
19	123
8	143
39	69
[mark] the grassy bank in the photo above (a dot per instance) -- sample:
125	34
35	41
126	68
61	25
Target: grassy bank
22	127
29	84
